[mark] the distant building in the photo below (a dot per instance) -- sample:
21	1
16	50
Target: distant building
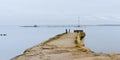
35	26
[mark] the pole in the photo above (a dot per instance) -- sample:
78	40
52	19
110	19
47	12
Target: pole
78	21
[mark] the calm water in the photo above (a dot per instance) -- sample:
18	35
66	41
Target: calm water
98	38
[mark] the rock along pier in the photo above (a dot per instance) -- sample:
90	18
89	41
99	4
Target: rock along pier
64	46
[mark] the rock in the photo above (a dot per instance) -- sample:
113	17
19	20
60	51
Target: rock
64	46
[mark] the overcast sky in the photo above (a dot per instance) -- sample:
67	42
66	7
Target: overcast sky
29	12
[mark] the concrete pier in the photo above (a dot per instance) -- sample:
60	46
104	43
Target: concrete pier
64	46
55	48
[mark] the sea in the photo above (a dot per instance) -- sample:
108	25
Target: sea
14	40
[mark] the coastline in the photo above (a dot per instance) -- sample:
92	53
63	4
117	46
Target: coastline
64	45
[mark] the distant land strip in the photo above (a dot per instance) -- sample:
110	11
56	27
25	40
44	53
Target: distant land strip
71	25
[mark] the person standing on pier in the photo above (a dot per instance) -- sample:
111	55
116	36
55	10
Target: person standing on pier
66	31
69	30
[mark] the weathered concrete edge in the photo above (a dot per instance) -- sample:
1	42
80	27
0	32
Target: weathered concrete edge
40	44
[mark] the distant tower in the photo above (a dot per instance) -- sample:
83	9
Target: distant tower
78	22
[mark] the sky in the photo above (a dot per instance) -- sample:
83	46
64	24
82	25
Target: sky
52	12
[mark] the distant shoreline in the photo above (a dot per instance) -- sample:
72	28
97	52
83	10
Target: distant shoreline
70	25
